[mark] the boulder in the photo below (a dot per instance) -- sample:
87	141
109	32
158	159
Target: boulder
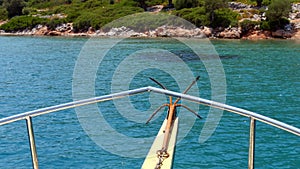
122	31
294	16
257	34
206	31
238	6
138	35
91	30
161	32
296	24
156	8
282	34
230	33
41	30
151	33
181	32
295	7
64	27
166	31
54	33
296	35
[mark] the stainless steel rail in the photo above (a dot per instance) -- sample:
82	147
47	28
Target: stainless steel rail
232	109
253	116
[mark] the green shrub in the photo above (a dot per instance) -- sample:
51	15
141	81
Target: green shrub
20	23
266	2
250	2
284	21
29	11
212	5
265	25
3	13
141	22
42	4
94	3
86	20
274	25
278	9
278	24
156	2
53	23
248	25
14	7
183	12
60	9
71	17
197	16
224	18
278	13
102	16
133	3
180	4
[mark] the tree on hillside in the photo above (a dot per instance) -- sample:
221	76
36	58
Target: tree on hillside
180	4
142	4
278	13
279	9
259	3
14	7
3	13
212	5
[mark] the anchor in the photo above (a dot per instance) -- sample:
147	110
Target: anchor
161	153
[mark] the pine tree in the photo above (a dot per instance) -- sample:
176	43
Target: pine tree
14	7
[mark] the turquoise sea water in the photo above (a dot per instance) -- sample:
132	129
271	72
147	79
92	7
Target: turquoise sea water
262	76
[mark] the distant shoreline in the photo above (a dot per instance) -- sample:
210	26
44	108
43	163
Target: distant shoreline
226	34
249	27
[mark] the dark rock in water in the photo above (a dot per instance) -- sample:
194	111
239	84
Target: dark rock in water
229	56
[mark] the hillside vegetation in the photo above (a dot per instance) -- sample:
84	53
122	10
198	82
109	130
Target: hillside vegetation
84	14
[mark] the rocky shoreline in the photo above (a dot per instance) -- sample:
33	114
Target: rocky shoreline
164	31
292	31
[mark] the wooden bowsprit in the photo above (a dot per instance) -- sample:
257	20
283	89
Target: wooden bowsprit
161	153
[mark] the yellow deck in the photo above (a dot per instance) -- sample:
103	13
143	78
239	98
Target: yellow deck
151	159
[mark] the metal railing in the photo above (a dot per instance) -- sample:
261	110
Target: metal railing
253	116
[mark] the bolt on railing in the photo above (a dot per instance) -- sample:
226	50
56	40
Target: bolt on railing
253	116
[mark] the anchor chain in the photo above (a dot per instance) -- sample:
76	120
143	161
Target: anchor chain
161	155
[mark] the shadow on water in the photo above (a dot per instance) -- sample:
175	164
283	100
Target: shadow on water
187	56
